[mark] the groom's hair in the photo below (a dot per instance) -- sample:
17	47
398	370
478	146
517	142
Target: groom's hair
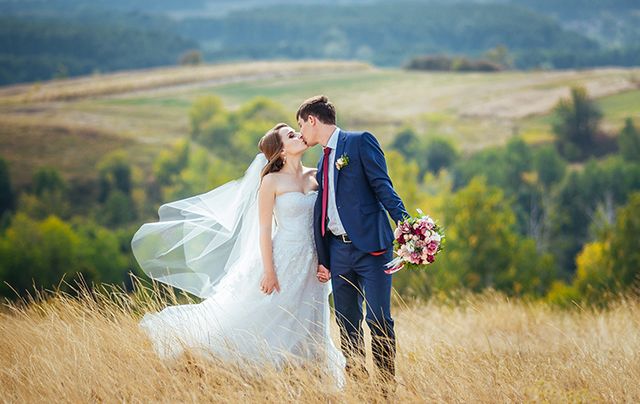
320	107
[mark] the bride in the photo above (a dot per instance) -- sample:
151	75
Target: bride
247	248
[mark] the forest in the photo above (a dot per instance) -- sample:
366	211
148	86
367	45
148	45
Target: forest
65	38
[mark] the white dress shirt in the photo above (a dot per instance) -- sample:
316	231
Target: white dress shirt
334	225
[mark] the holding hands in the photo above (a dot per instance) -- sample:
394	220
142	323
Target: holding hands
323	274
269	282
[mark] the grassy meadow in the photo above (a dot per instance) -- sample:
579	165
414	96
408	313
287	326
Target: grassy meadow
145	111
482	348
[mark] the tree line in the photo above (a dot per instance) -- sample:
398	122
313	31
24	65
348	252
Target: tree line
41	41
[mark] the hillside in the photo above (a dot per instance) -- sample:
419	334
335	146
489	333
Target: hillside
40	40
69	124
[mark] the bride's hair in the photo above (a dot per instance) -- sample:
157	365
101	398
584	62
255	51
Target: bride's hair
271	146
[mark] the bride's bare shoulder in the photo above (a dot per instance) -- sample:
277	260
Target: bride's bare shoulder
269	182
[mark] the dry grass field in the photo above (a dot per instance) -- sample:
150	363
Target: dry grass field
484	348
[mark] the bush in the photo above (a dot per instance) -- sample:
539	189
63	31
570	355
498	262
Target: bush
450	63
629	141
192	57
439	154
576	124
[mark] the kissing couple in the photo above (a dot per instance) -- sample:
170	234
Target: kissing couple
266	250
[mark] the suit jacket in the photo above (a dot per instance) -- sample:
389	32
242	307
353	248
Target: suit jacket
363	192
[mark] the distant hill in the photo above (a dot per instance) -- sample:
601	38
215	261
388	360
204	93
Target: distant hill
43	39
385	34
47	47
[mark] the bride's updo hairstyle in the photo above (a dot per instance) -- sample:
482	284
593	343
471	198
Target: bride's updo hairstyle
271	146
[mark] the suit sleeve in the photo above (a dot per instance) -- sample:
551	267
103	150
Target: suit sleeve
375	169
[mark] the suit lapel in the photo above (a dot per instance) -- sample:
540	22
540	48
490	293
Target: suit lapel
319	173
339	151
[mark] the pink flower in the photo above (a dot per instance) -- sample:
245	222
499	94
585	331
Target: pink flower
415	258
432	247
431	258
405	228
424	227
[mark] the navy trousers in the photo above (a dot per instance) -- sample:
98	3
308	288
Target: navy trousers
358	276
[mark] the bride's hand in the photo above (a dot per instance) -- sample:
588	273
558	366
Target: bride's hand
269	283
323	273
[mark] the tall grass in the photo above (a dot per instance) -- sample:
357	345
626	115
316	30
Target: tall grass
485	348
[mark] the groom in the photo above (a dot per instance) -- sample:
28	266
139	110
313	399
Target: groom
352	232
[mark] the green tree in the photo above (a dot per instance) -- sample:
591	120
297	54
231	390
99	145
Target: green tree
500	55
625	242
610	264
169	163
203	110
439	153
600	186
6	189
100	253
39	254
484	248
478	225
594	278
549	166
576	124
261	109
115	174
47	179
117	210
404	174
49	197
629	141
407	143
43	253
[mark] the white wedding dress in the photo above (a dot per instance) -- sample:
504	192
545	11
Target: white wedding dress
238	322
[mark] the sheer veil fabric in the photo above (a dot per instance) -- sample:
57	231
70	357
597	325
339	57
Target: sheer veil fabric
198	240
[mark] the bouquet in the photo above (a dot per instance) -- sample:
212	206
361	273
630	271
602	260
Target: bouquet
418	241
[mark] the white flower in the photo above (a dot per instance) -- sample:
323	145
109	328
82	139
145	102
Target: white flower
342	161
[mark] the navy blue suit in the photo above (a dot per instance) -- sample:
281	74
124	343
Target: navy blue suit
364	194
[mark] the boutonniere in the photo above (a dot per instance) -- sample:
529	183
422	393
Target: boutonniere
343	161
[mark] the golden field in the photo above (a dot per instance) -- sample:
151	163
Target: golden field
483	348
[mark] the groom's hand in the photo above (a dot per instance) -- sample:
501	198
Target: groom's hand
323	273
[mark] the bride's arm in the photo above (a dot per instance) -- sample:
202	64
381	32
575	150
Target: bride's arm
266	200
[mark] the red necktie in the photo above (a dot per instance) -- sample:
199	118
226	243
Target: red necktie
325	187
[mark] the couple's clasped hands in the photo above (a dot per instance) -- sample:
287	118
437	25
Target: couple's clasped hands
269	282
323	274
